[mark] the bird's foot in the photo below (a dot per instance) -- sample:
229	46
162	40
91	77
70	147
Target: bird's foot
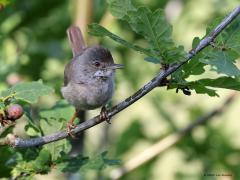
71	126
104	115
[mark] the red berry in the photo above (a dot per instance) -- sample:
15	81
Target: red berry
14	111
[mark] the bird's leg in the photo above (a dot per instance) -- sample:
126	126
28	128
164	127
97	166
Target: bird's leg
104	115
70	124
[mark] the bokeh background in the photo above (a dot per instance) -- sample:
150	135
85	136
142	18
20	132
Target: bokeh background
34	45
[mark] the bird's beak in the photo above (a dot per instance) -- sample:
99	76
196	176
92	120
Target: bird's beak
116	66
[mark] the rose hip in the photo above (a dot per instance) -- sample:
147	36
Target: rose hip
14	111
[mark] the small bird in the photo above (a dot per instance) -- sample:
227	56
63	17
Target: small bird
89	80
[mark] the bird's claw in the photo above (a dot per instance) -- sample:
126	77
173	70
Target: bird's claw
70	127
104	115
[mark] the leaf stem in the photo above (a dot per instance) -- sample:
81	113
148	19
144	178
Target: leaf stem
4	99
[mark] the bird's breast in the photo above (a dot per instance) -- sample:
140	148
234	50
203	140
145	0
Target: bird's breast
90	95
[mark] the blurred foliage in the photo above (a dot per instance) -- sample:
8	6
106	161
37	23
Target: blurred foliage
34	46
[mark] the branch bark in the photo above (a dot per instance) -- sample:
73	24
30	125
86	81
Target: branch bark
167	142
155	82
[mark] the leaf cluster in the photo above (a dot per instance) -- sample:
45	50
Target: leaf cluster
26	164
154	28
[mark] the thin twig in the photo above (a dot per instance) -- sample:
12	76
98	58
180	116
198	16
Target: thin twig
155	82
166	142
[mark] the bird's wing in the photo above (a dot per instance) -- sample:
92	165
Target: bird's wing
70	75
67	74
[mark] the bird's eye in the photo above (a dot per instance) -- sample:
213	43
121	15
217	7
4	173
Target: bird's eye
96	64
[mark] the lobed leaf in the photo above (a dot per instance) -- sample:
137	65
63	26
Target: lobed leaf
222	62
99	162
40	164
222	82
120	8
28	92
203	86
153	26
230	37
152	60
70	164
97	30
194	66
53	120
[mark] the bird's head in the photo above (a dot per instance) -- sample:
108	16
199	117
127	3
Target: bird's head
100	62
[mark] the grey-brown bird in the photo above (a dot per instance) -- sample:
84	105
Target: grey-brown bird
89	80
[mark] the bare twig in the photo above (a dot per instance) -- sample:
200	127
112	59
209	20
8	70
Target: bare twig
166	142
155	82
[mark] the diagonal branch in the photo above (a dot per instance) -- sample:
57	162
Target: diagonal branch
155	82
167	142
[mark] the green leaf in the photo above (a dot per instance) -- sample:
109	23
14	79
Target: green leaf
193	66
53	120
152	60
98	30
201	89
42	162
68	164
5	131
99	162
2	105
120	8
232	36
39	165
6	153
32	130
56	148
222	82
203	86
28	92
222	62
153	26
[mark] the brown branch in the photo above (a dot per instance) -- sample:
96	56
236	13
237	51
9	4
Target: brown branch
155	82
167	142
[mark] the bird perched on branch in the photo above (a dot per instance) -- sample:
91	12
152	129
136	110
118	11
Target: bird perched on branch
88	78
